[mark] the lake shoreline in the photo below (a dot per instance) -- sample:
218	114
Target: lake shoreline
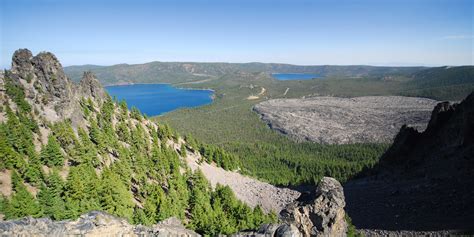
295	76
144	83
155	99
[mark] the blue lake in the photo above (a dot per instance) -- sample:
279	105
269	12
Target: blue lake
295	76
156	99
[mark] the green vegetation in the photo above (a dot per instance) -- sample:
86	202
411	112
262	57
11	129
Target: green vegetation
118	163
442	83
351	229
231	124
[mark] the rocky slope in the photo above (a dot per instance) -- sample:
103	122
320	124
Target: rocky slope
249	190
332	120
425	179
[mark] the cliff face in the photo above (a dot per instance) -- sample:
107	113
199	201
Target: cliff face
450	133
425	180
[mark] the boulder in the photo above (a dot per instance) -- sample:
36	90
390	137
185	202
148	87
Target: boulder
321	216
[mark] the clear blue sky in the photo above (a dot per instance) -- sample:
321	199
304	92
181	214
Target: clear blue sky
375	32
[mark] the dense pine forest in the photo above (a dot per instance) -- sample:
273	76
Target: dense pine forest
118	162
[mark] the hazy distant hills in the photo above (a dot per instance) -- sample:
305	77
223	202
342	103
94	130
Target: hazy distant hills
175	72
440	83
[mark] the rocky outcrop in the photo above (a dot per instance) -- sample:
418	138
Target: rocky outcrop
450	129
91	87
91	224
333	120
322	215
424	181
48	88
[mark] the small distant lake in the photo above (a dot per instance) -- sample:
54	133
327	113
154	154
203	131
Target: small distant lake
295	76
156	99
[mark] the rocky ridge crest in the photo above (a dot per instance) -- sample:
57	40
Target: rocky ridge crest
48	88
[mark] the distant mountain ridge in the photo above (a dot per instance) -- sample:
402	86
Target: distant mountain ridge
439	83
175	72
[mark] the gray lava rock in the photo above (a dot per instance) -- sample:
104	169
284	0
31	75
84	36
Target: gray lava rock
322	216
333	120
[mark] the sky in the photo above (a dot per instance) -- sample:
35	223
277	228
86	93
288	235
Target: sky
305	32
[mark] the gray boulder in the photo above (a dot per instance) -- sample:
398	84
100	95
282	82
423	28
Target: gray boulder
322	216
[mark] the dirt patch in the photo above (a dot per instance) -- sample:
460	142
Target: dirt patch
256	97
6	183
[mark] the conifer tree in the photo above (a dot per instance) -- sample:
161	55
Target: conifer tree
115	198
81	190
22	204
50	197
51	153
34	172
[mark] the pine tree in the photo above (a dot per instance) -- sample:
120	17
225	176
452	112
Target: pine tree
86	152
97	137
65	136
51	154
34	172
81	190
9	158
22	204
115	197
50	197
201	209
18	135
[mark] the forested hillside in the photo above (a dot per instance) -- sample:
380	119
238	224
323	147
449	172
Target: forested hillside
179	72
442	83
66	149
